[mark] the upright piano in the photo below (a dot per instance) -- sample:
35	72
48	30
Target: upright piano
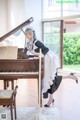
14	69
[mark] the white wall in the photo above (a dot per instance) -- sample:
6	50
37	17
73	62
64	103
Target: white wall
33	8
12	14
73	28
3	17
16	12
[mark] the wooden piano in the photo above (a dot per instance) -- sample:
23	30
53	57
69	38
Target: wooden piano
15	69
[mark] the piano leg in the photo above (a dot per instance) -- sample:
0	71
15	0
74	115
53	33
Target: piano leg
12	84
5	84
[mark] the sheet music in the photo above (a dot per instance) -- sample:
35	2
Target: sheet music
8	52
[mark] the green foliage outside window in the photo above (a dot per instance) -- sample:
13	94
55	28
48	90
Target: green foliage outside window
71	49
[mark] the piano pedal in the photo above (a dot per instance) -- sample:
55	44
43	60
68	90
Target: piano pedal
4	105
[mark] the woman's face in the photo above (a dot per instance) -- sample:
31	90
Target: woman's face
28	36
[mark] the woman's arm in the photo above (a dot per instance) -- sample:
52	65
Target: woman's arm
41	46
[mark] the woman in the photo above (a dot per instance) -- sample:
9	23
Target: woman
51	80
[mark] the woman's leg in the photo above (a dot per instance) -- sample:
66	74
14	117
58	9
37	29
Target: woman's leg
70	76
50	99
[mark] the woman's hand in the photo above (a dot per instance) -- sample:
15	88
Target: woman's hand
36	58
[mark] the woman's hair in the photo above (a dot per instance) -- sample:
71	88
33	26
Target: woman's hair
31	32
28	31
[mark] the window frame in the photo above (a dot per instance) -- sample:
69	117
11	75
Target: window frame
61	38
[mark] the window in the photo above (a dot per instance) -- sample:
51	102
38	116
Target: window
52	37
60	8
51	9
50	3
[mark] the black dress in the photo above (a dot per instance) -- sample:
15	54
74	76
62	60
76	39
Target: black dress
56	82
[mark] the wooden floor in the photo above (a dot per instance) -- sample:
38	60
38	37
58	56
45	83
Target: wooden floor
67	97
27	92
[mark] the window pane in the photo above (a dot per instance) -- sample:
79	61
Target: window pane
51	9
52	36
60	8
71	9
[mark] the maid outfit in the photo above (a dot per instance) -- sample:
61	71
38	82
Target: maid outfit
51	80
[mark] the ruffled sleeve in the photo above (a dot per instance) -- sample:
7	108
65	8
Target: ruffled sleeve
39	45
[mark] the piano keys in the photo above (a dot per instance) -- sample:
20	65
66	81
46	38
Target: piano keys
20	68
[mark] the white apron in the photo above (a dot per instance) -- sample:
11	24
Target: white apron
50	67
51	64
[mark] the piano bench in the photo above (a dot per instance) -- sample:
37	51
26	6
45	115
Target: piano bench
8	98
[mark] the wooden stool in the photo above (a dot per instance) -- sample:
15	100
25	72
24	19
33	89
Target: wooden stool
8	98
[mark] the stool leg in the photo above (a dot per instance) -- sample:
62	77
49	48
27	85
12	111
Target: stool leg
4	84
11	109
15	108
12	84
